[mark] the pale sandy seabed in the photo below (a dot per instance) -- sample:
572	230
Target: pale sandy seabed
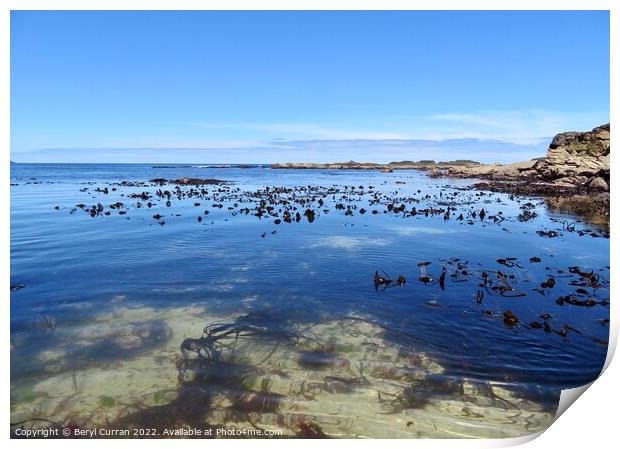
359	385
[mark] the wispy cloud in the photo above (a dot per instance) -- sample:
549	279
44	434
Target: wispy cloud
522	127
307	131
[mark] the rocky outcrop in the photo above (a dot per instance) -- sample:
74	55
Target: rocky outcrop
576	158
495	171
351	165
187	181
573	177
387	168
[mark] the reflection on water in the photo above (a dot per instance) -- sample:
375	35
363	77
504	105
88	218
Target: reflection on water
239	322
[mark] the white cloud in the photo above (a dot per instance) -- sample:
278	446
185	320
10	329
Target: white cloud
417	230
313	131
349	243
521	127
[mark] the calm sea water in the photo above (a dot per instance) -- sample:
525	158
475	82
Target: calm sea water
75	268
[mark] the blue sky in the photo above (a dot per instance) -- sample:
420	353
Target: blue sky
303	86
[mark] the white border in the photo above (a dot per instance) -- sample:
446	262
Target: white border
589	422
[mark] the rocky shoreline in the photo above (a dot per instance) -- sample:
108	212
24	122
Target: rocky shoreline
573	160
574	176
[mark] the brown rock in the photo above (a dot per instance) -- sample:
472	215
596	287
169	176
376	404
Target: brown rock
570	181
598	183
576	154
434	173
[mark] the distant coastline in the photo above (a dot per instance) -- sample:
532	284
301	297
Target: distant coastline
353	165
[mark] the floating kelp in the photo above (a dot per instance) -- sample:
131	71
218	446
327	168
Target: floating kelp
442	279
384	281
309	214
380	280
497	281
424	276
509	262
549	283
274	201
593	279
570	299
549	234
527	215
479	296
510	319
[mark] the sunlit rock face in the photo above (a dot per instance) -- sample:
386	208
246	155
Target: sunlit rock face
577	158
574	159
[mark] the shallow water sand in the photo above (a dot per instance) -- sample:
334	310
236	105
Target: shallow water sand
360	388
